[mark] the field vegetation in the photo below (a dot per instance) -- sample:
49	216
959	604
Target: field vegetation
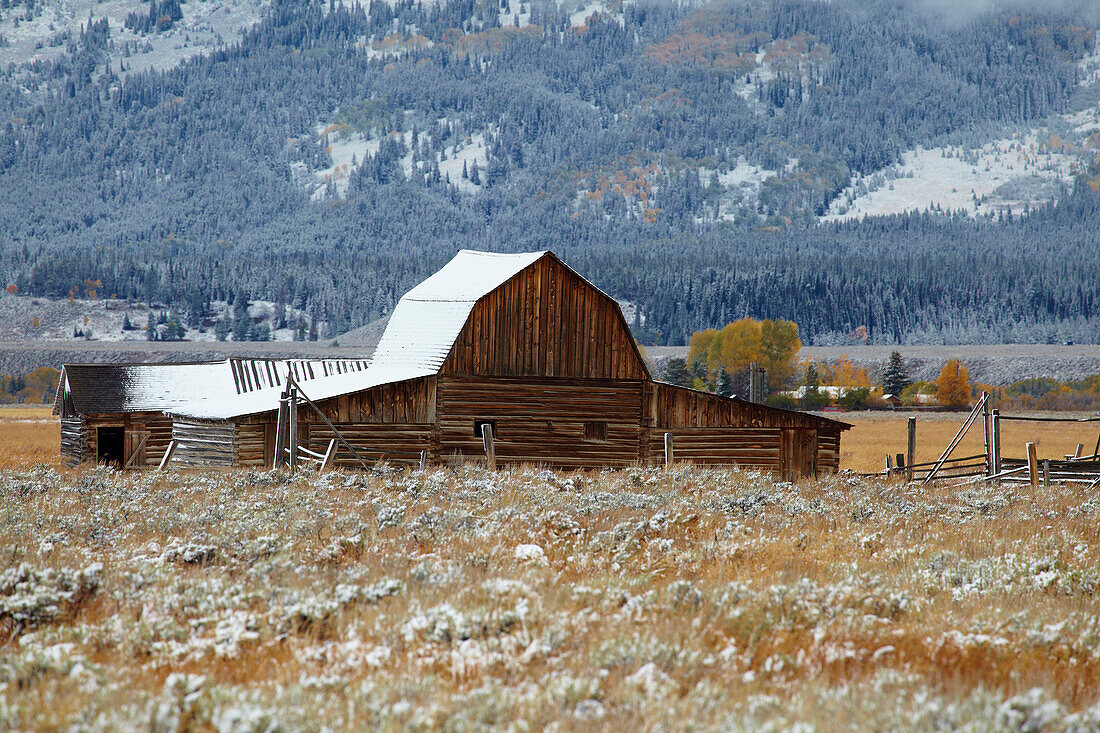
457	598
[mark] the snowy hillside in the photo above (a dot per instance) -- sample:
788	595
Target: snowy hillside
41	33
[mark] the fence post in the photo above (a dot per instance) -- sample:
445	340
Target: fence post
280	432
1032	466
423	459
911	448
490	449
292	424
996	448
1046	473
900	459
668	449
987	434
889	464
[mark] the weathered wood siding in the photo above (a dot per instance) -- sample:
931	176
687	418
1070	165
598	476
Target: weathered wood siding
74	440
828	450
394	442
567	423
255	444
710	429
679	407
546	322
757	448
204	443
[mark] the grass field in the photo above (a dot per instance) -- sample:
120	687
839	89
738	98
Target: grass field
28	435
876	434
459	599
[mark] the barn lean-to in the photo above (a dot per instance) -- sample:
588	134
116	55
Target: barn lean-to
516	341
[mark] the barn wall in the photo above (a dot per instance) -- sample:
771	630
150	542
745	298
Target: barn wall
757	448
393	442
155	426
677	407
74	440
546	322
204	443
558	423
710	429
828	451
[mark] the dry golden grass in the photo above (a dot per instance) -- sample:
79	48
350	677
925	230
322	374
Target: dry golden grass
460	599
876	434
28	435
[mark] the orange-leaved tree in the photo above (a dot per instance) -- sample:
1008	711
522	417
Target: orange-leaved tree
953	384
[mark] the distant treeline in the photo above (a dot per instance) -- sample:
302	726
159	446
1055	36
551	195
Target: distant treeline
602	144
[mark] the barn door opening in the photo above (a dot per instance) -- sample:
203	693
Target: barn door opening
111	446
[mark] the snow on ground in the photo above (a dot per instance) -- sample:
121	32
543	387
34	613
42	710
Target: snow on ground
349	149
1004	175
205	25
46	319
472	152
515	13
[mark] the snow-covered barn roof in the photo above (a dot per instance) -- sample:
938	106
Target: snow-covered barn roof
204	389
421	331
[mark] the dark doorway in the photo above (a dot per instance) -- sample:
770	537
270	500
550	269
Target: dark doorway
110	446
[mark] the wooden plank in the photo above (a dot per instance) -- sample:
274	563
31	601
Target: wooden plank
167	455
1032	466
910	447
490	449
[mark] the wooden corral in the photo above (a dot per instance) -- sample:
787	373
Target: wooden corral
519	343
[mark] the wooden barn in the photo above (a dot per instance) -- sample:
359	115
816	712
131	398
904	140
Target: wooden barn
517	342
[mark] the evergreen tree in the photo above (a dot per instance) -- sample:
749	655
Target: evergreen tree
895	375
724	384
151	328
676	372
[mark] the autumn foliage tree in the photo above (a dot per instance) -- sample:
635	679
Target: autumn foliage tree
771	343
953	384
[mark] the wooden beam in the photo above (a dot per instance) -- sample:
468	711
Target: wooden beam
986	433
330	455
292	425
669	451
958	437
1032	466
995	419
280	431
423	459
910	447
332	427
490	449
169	451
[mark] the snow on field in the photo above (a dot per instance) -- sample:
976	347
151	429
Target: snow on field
1004	175
205	25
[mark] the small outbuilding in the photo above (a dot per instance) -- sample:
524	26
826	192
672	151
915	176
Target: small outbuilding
517	342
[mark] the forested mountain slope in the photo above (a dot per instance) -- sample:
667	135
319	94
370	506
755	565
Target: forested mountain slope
681	156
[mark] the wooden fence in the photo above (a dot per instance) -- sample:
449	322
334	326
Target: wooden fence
991	465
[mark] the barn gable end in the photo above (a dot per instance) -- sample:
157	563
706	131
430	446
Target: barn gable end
546	321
